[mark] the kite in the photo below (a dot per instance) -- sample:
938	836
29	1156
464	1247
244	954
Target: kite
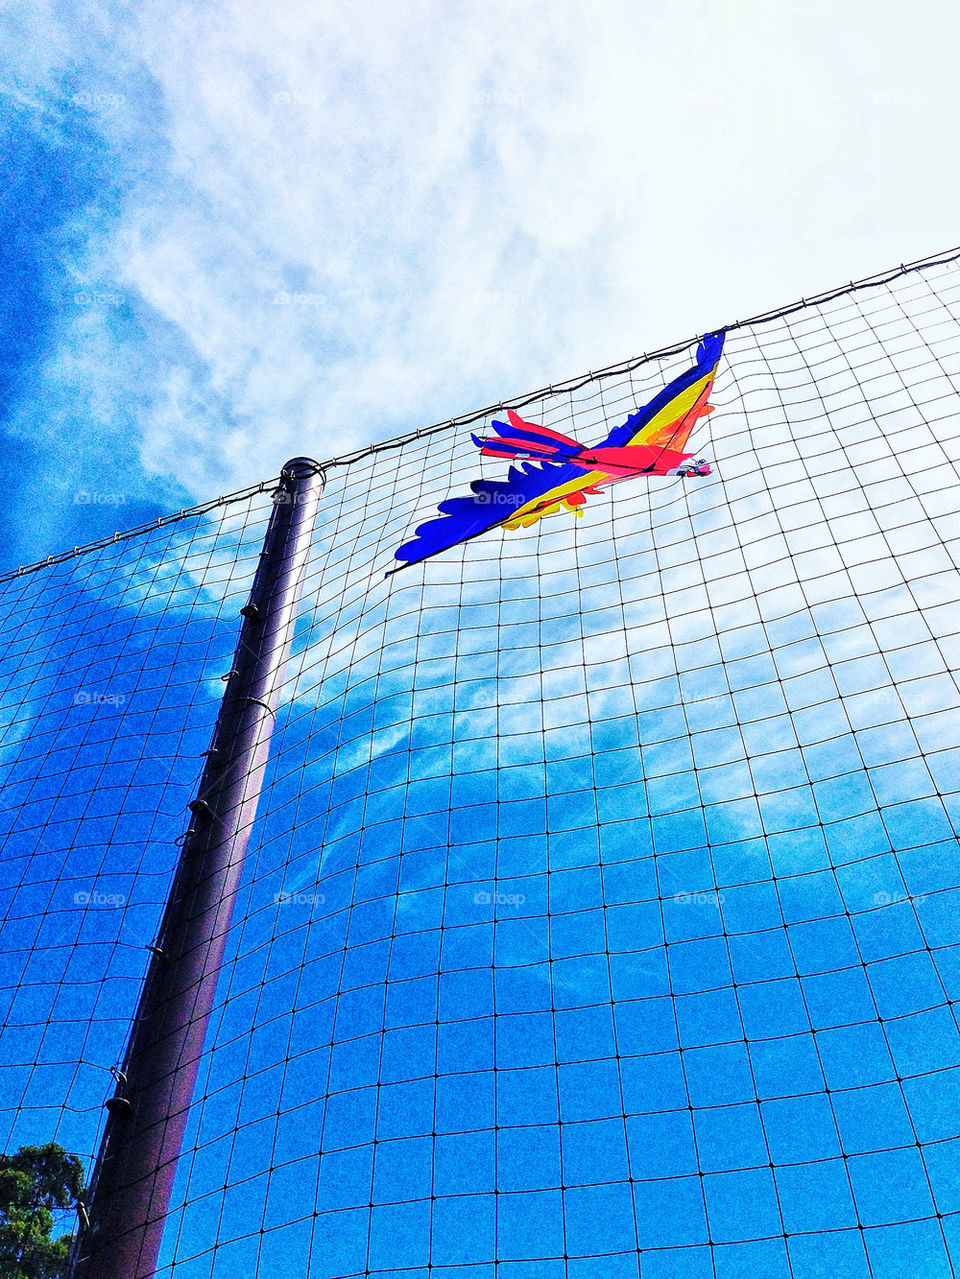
560	474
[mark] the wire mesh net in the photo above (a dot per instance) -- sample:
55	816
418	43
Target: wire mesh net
601	914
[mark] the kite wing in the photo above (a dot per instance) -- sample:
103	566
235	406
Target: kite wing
492	502
554	480
527	439
667	421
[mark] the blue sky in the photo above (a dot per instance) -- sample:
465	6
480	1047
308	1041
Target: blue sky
226	243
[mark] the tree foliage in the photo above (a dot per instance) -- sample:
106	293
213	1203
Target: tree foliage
34	1183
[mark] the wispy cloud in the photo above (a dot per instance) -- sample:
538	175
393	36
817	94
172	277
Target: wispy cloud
330	229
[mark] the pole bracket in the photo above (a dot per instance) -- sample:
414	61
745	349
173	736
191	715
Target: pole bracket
256	701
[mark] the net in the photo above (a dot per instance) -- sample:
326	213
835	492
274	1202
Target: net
600	917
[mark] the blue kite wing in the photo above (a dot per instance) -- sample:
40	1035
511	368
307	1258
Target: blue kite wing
491	502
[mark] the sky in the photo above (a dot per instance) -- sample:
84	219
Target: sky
228	241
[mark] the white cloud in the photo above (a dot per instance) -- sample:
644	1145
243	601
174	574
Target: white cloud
361	220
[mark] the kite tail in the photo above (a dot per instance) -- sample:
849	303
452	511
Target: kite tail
527	439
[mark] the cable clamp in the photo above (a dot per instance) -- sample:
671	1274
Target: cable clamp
255	701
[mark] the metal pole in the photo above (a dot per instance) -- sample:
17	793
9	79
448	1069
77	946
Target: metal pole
130	1191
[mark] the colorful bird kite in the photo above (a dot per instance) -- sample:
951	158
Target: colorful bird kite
562	473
